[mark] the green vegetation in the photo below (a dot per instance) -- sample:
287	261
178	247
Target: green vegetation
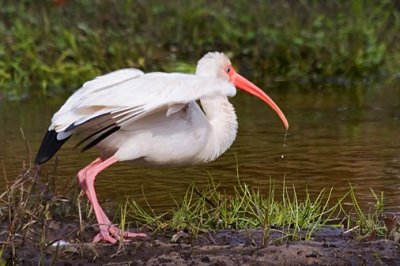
49	49
34	210
211	210
29	203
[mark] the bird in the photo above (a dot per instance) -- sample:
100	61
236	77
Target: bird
152	119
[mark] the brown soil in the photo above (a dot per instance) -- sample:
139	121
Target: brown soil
230	247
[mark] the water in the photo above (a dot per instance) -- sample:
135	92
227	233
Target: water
335	137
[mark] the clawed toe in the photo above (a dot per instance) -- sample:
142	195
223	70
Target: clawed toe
106	237
112	234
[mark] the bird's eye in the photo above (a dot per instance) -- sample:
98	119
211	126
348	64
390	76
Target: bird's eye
228	69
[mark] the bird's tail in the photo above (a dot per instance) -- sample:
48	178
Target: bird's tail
50	145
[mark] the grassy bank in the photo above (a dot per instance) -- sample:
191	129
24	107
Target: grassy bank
211	210
50	49
32	204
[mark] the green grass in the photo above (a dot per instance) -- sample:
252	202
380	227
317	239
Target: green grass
32	204
49	50
369	223
211	210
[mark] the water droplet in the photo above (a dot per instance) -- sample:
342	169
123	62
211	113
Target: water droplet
284	146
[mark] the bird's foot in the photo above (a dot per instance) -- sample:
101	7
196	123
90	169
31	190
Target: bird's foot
111	234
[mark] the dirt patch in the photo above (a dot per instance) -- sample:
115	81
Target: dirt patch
330	246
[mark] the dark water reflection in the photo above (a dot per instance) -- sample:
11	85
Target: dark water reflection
335	137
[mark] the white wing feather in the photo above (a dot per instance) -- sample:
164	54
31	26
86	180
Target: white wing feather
132	95
101	82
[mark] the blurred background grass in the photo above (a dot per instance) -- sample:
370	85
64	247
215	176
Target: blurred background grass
51	47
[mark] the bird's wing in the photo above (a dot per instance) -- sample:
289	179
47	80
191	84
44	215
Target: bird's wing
109	102
99	83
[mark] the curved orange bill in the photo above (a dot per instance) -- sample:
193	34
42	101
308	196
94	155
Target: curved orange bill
244	84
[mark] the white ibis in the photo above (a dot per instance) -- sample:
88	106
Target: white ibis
152	119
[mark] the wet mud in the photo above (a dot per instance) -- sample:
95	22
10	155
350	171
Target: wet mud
59	245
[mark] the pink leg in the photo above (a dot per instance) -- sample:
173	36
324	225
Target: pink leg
82	182
86	178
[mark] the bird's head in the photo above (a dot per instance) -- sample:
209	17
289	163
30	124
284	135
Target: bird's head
218	65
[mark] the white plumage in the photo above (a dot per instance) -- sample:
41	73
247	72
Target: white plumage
152	119
151	109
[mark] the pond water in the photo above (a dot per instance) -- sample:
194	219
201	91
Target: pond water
336	136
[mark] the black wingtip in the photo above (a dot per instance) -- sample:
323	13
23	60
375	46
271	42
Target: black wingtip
50	145
102	136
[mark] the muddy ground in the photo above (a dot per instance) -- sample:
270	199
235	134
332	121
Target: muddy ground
330	246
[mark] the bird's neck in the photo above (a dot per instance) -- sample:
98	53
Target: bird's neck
223	122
